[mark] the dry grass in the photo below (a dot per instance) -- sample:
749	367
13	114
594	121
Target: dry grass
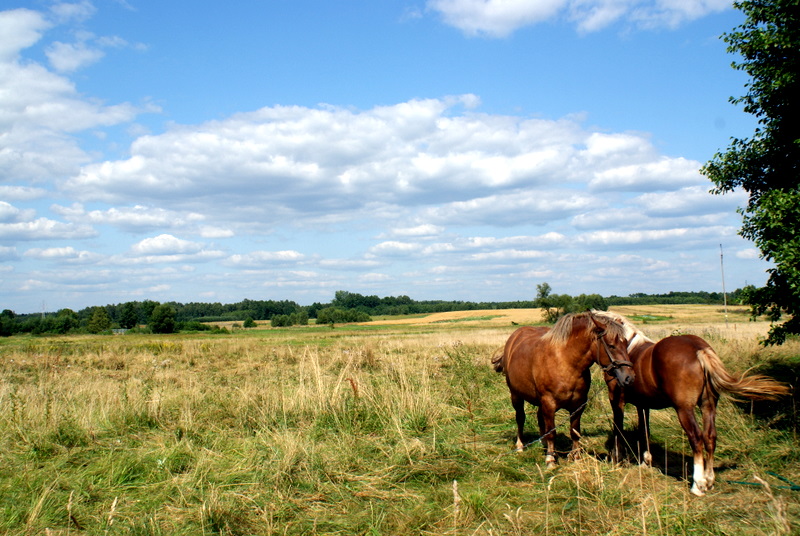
355	430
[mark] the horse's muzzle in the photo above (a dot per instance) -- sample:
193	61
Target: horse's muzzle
624	375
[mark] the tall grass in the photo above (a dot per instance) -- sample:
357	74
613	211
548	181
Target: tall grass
392	431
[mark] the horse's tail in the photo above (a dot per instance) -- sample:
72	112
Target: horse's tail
752	386
498	359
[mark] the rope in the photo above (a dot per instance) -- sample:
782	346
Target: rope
792	486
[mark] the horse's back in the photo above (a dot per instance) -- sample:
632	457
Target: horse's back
678	370
522	353
521	346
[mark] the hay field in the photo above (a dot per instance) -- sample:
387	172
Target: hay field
391	428
703	320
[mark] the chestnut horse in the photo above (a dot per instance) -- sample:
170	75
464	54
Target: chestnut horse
681	371
549	368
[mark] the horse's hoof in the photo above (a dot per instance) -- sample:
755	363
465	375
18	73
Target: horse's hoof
550	462
648	459
696	490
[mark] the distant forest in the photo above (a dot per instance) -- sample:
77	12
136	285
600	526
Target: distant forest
152	316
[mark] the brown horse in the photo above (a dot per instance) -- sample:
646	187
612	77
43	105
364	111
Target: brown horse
681	371
549	368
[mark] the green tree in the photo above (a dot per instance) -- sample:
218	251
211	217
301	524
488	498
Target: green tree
280	321
99	321
553	306
162	319
249	322
66	320
7	322
129	317
584	302
767	166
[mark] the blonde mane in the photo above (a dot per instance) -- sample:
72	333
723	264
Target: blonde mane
562	330
634	335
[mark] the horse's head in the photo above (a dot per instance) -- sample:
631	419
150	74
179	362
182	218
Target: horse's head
612	349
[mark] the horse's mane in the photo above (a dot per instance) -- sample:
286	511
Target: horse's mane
634	335
561	331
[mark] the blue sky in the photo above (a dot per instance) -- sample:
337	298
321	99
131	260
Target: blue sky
440	149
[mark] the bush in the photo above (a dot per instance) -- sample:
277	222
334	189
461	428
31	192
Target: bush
162	320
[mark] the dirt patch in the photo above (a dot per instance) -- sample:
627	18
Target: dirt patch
483	316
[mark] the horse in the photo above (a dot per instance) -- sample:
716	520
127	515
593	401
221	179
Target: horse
549	368
680	371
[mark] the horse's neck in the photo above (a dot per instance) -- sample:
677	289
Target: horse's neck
639	343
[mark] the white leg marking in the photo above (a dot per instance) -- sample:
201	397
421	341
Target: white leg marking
699	487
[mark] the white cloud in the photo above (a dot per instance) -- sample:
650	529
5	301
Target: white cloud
660	174
265	258
135	218
19	29
207	231
373	277
500	18
748	254
39	109
495	18
393	248
690	201
165	244
9	213
68	254
64	12
68	57
672	238
421	231
44	229
21	193
8	253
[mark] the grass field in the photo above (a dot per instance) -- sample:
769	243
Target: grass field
393	427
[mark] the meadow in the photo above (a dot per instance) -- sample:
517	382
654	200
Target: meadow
398	426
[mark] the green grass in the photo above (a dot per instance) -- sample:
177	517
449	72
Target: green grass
343	431
646	319
467	319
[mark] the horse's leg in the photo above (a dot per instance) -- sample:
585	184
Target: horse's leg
575	432
695	435
519	408
708	406
547	431
617	408
644	435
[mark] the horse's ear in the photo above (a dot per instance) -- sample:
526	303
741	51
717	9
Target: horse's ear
596	322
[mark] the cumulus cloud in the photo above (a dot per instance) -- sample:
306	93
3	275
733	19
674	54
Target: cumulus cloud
136	218
8	253
40	109
64	254
44	229
19	28
500	18
165	244
437	156
260	259
21	193
67	57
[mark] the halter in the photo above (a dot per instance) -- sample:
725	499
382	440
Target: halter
613	363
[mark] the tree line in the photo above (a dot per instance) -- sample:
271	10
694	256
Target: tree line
155	317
